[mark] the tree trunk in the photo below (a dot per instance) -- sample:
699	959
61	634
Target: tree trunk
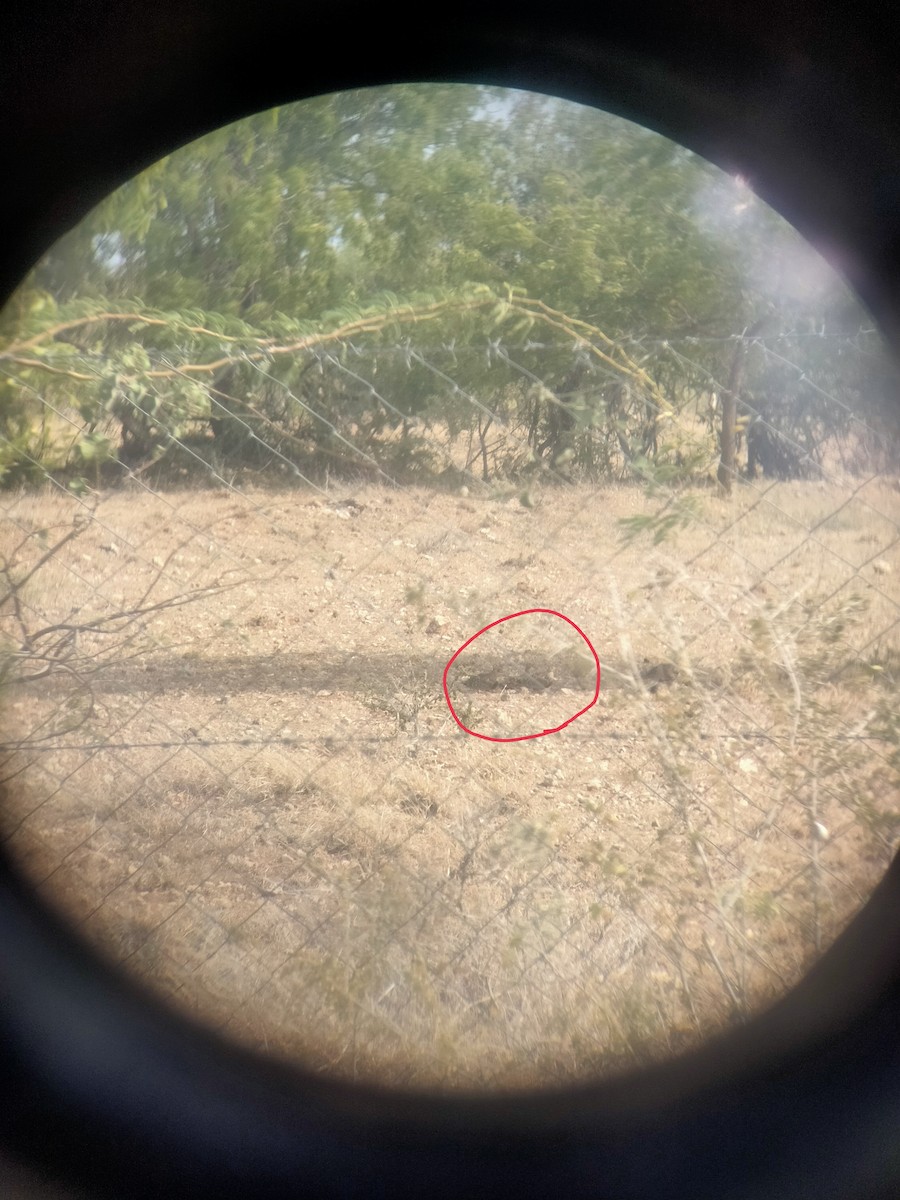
482	438
727	449
728	433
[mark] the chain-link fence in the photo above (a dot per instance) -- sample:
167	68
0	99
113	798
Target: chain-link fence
231	762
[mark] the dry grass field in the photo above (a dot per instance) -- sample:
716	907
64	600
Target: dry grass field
259	803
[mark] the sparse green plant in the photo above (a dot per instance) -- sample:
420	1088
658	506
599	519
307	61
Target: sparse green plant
679	513
406	703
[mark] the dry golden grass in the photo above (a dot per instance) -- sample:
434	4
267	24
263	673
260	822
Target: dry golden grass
261	805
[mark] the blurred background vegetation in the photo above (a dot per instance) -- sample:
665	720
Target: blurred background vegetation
339	274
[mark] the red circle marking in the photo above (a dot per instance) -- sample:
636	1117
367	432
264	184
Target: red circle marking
525	736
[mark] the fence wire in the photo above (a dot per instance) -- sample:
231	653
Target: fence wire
229	757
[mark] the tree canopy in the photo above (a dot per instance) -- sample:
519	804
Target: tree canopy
296	224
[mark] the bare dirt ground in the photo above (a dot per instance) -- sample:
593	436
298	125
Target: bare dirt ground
260	804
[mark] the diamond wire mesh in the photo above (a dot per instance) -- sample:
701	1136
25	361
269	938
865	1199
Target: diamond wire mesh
231	764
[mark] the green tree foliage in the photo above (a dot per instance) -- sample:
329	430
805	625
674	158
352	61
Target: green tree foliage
305	220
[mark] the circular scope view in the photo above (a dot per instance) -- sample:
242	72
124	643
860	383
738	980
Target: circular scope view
449	627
